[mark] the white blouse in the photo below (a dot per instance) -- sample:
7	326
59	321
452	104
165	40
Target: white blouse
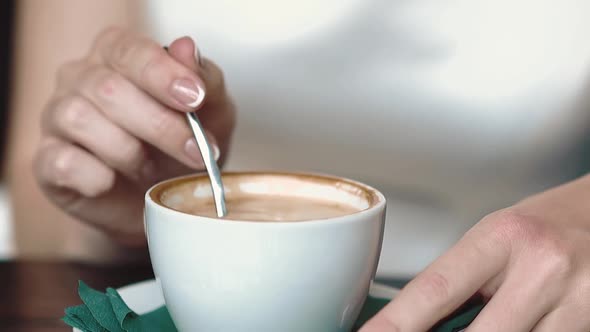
452	108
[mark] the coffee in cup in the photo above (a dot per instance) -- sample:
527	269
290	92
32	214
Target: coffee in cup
264	197
297	252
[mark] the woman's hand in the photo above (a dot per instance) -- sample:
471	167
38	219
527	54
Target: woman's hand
115	126
531	261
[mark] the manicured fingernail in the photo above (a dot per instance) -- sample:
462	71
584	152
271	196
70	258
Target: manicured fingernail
192	150
216	152
188	92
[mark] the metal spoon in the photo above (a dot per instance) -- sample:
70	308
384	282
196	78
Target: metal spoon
208	157
210	164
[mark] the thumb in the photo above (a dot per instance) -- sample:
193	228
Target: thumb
184	51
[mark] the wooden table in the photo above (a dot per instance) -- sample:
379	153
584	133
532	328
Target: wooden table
33	295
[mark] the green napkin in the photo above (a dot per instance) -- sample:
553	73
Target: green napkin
107	312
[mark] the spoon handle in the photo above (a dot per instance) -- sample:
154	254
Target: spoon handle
210	164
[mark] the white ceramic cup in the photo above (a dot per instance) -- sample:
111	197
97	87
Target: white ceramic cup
224	275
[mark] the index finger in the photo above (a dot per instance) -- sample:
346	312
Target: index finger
442	287
148	66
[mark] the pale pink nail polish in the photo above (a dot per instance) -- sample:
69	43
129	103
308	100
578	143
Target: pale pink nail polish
216	152
187	92
192	151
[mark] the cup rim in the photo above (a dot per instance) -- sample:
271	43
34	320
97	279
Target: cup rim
378	199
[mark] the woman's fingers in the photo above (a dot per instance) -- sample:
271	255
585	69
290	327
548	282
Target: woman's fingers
536	277
130	104
571	318
136	112
218	113
116	117
443	286
147	65
518	304
76	119
61	165
185	52
522	262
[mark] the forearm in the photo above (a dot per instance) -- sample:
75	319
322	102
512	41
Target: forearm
49	33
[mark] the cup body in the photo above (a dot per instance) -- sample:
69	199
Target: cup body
223	275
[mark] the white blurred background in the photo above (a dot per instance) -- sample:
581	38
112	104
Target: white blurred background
452	108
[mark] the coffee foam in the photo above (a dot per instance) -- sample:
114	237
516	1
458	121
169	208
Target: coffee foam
321	196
